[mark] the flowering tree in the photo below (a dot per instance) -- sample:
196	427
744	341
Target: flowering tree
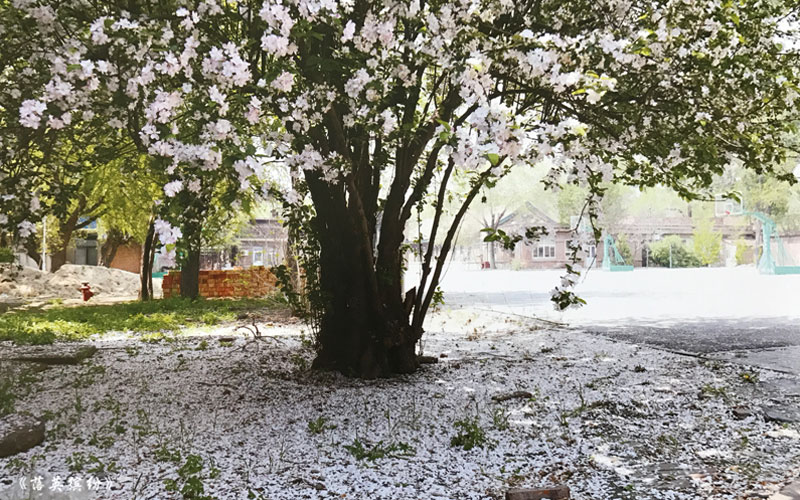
378	107
95	66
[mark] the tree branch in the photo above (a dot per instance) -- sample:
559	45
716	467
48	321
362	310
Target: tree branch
419	312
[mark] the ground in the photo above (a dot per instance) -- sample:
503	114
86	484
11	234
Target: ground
33	287
727	313
611	412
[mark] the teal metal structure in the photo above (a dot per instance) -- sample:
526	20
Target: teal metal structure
619	263
768	264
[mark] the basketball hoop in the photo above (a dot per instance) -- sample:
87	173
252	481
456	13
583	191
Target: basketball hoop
724	207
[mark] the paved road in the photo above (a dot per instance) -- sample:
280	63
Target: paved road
726	313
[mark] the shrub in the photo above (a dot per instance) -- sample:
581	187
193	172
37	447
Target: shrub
742	250
682	256
624	249
6	255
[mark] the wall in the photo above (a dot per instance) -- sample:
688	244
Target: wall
252	282
128	258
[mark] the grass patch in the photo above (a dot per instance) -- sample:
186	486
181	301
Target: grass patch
372	452
36	326
470	435
319	425
14	384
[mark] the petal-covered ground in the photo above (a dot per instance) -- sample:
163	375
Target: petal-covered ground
231	420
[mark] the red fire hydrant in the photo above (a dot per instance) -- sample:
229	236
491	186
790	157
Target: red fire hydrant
86	291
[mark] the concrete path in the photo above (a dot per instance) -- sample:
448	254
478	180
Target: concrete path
733	314
790	492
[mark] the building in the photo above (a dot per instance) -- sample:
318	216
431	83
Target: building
262	243
552	250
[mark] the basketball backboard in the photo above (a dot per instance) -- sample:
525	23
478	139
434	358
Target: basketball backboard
726	206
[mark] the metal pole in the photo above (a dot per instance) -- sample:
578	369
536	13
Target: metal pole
670	255
44	244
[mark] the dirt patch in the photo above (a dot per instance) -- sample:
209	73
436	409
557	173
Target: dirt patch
25	284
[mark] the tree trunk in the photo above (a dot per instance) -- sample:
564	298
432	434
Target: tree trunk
359	336
190	274
58	259
108	251
146	269
492	264
292	264
364	328
150	273
65	232
32	250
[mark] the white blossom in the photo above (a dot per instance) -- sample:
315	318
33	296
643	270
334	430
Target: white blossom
173	188
283	82
30	113
26	228
348	31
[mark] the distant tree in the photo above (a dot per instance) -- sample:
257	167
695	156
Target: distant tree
130	201
707	242
571	201
656	202
492	224
506	203
72	180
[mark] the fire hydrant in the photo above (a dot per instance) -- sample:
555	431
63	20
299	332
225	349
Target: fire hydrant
86	291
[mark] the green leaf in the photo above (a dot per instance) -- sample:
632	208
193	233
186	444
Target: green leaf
444	124
493	158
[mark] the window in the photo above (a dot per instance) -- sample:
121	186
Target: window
591	251
258	257
545	250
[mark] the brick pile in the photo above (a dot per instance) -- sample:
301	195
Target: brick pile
253	282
